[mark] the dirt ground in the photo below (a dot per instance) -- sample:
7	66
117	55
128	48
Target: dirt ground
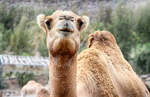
10	93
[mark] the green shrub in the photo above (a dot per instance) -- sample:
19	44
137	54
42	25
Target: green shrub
6	26
48	12
104	14
142	18
143	58
2	43
122	28
20	39
24	77
7	16
19	32
8	75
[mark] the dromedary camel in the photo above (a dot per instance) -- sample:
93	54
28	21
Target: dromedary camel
63	30
103	72
31	89
100	71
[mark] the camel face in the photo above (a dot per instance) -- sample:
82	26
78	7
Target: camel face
63	30
64	24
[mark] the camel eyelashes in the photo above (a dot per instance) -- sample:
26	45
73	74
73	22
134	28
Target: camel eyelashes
61	17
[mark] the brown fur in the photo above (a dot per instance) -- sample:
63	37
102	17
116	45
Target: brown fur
103	71
62	50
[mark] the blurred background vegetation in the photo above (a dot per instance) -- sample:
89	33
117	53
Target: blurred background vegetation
20	35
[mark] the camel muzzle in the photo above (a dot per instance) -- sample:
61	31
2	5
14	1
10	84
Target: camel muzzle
66	28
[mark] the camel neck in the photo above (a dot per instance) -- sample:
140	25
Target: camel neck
62	76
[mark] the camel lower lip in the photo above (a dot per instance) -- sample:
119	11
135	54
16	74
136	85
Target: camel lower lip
65	30
65	33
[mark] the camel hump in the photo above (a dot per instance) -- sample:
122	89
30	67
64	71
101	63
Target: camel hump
101	36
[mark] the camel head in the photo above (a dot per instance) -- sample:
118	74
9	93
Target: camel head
63	30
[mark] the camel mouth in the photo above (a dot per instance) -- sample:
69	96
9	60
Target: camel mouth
66	30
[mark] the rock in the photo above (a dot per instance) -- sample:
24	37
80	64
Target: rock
146	80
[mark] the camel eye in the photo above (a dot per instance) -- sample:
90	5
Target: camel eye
80	23
72	19
48	23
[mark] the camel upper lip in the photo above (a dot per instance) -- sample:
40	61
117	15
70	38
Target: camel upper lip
66	30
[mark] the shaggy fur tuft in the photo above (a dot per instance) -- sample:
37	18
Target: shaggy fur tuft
40	20
87	20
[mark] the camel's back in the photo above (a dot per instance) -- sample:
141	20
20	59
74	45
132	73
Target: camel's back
125	79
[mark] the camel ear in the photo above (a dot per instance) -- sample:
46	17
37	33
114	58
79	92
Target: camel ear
41	21
82	23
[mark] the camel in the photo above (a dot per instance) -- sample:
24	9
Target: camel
102	71
31	89
62	31
99	71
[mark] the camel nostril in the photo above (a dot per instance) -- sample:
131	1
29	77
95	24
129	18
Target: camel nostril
66	25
